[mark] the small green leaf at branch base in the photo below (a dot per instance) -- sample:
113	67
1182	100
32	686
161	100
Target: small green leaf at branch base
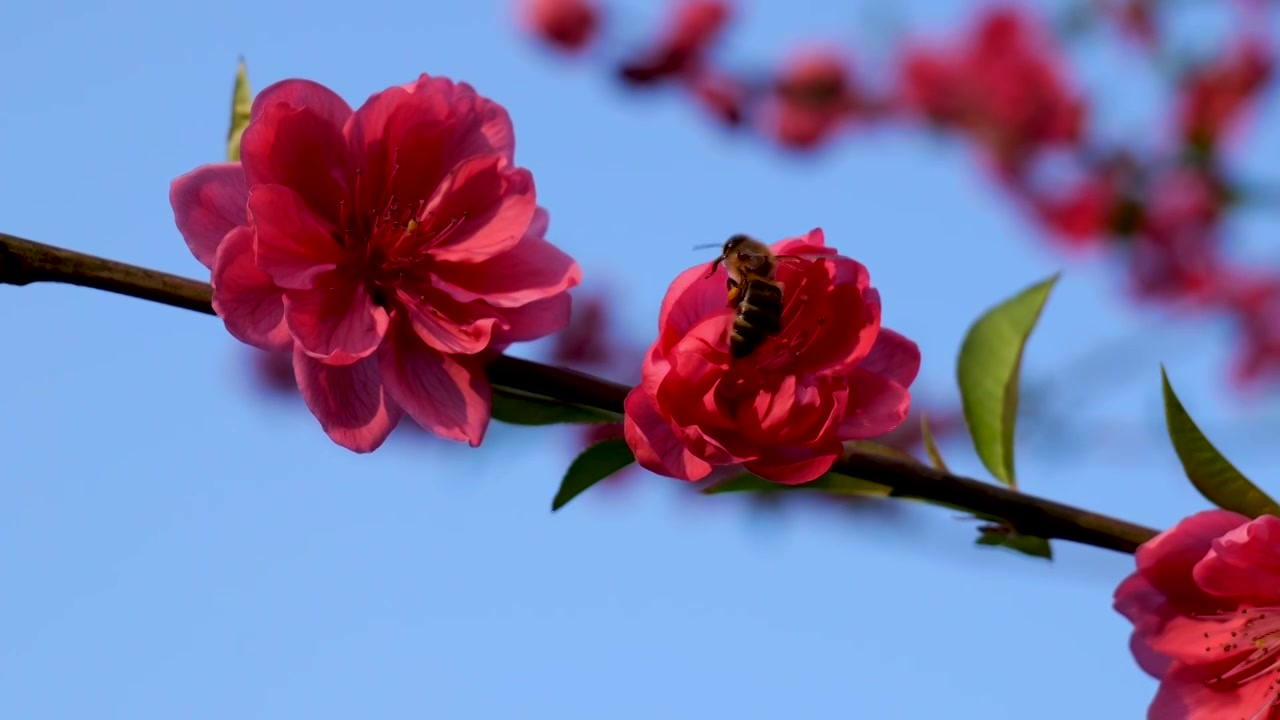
834	483
518	408
241	104
1005	536
988	373
1216	478
594	464
930	446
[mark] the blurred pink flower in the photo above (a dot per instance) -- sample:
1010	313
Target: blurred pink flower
1205	608
813	97
1004	87
387	248
691	29
566	24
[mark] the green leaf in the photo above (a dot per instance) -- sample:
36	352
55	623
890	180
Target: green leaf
519	408
834	483
988	372
1216	478
1001	536
594	464
241	103
930	446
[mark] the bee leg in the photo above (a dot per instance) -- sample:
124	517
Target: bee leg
735	292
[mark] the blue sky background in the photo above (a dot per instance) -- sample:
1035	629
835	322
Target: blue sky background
173	545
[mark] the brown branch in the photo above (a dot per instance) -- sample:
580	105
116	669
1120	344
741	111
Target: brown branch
23	262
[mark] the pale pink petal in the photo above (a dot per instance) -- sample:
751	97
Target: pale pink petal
876	405
248	302
794	466
489	207
534	320
302	149
337	325
532	270
350	401
322	101
654	443
294	246
1167	559
1184	696
893	356
447	395
1244	563
207	203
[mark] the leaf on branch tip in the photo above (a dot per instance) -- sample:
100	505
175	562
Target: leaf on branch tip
931	446
520	408
1000	535
241	104
1211	473
988	373
594	464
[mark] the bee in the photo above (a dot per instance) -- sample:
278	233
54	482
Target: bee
754	293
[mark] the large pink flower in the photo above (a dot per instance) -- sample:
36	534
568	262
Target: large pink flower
1205	607
832	374
387	248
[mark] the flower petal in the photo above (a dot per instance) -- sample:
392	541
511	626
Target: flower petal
1184	696
813	242
534	320
444	323
482	209
207	203
445	394
795	466
689	300
893	356
1244	563
337	325
654	443
399	140
249	303
350	401
299	146
294	246
1166	560
532	270
876	405
486	128
322	101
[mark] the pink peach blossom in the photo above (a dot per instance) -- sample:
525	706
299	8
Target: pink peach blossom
387	248
569	25
832	374
1205	608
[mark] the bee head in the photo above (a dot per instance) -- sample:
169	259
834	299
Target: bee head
730	245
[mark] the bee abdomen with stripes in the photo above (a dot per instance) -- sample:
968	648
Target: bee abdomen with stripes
759	316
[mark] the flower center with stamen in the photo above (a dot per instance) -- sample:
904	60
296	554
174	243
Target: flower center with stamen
1249	628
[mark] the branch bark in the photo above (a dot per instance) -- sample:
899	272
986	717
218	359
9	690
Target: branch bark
23	262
